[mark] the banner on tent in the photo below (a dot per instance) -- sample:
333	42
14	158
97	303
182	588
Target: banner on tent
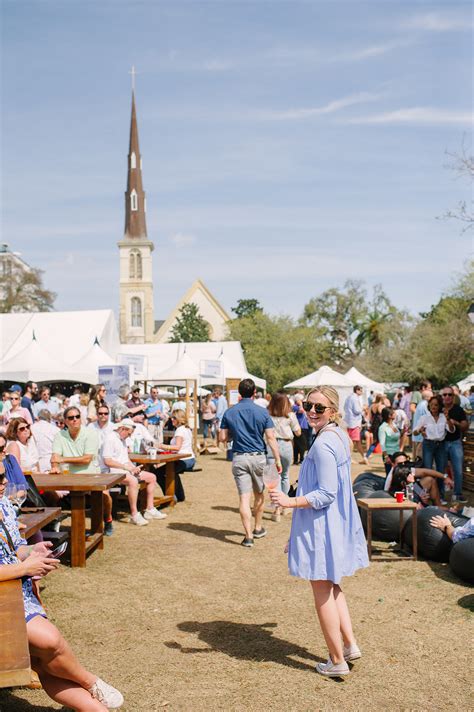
113	377
135	360
210	369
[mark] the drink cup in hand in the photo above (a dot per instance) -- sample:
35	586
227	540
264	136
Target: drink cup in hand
271	478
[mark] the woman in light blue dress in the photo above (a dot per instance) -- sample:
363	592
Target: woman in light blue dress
327	540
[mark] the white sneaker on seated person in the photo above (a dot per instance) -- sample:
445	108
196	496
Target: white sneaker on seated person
138	519
154	514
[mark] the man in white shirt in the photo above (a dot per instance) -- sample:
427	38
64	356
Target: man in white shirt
46	402
260	400
116	458
141	436
44	432
353	417
102	426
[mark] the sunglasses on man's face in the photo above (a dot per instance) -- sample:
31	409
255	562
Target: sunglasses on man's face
102	412
447	395
73	417
318	407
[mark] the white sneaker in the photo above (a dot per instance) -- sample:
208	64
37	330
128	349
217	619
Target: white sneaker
108	695
352	652
138	520
330	670
154	514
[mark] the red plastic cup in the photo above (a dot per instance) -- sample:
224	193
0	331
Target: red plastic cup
399	496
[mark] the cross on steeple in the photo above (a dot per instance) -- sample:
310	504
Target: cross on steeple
134	74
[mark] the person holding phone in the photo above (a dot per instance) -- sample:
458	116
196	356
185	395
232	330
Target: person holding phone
61	674
327	540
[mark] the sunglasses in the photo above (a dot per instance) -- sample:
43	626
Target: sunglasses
14	398
73	417
102	412
447	395
2	448
318	407
22	428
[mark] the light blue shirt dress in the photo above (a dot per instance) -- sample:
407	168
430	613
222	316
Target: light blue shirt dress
327	540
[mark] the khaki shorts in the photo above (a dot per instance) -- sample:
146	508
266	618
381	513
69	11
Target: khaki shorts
247	469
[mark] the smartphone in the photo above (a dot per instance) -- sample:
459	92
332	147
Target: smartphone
58	551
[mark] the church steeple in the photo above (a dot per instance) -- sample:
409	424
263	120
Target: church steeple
135	201
136	265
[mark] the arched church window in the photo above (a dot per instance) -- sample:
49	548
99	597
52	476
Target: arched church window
138	262
134	200
133	160
136	311
132	266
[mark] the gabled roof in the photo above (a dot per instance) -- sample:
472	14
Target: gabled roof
196	286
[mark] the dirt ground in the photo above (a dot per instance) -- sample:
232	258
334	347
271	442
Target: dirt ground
180	617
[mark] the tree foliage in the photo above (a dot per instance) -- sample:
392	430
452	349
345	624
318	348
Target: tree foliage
247	307
22	290
189	325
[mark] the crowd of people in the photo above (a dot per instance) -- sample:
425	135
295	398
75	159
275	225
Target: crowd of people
84	433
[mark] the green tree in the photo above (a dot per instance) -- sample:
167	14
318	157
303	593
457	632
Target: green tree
22	290
247	307
277	349
189	325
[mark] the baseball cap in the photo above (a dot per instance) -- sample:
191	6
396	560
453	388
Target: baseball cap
15	388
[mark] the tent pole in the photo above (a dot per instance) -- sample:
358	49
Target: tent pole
195	407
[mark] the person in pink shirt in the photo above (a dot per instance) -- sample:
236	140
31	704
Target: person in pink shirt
16	410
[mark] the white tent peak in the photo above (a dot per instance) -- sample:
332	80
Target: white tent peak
324	376
358	379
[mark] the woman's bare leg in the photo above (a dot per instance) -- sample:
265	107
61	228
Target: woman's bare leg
329	620
54	653
69	693
344	616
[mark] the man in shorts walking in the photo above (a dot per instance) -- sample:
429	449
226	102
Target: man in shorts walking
246	425
353	417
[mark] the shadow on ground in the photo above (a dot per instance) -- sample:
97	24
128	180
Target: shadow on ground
444	572
225	508
208	532
9	702
244	641
467	602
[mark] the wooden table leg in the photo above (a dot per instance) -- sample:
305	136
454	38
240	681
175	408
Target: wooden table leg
401	527
97	515
415	536
78	528
170	480
369	533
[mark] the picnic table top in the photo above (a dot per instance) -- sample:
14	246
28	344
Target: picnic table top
385	504
160	458
36	518
77	482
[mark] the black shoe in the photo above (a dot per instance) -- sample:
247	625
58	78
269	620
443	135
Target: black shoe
108	528
247	542
260	533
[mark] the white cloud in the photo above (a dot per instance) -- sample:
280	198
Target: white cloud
439	22
310	112
181	239
420	115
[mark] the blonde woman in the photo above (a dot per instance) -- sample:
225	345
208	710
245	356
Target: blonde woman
182	442
327	541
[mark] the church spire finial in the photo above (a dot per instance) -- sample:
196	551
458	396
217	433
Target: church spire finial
135	204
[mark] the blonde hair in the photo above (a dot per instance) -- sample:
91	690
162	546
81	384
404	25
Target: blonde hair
180	417
332	396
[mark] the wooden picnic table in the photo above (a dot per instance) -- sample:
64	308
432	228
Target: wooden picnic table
79	484
14	653
162	459
35	518
371	505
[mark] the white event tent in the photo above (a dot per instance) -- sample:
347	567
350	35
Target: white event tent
325	376
466	383
34	363
358	379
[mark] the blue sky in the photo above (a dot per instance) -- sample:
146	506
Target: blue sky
287	146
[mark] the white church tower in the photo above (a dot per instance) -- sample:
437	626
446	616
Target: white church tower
136	278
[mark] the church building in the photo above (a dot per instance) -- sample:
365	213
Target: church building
136	318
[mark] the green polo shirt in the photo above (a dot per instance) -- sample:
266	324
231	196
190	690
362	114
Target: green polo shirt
86	443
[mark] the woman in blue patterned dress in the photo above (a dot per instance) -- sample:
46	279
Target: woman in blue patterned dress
327	540
62	676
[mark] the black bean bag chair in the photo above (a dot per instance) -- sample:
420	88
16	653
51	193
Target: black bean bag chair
367	483
433	544
385	523
461	559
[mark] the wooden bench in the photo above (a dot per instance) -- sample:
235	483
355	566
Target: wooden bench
14	654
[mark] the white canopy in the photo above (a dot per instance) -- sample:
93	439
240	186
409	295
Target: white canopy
86	368
183	369
358	379
466	382
324	376
34	363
